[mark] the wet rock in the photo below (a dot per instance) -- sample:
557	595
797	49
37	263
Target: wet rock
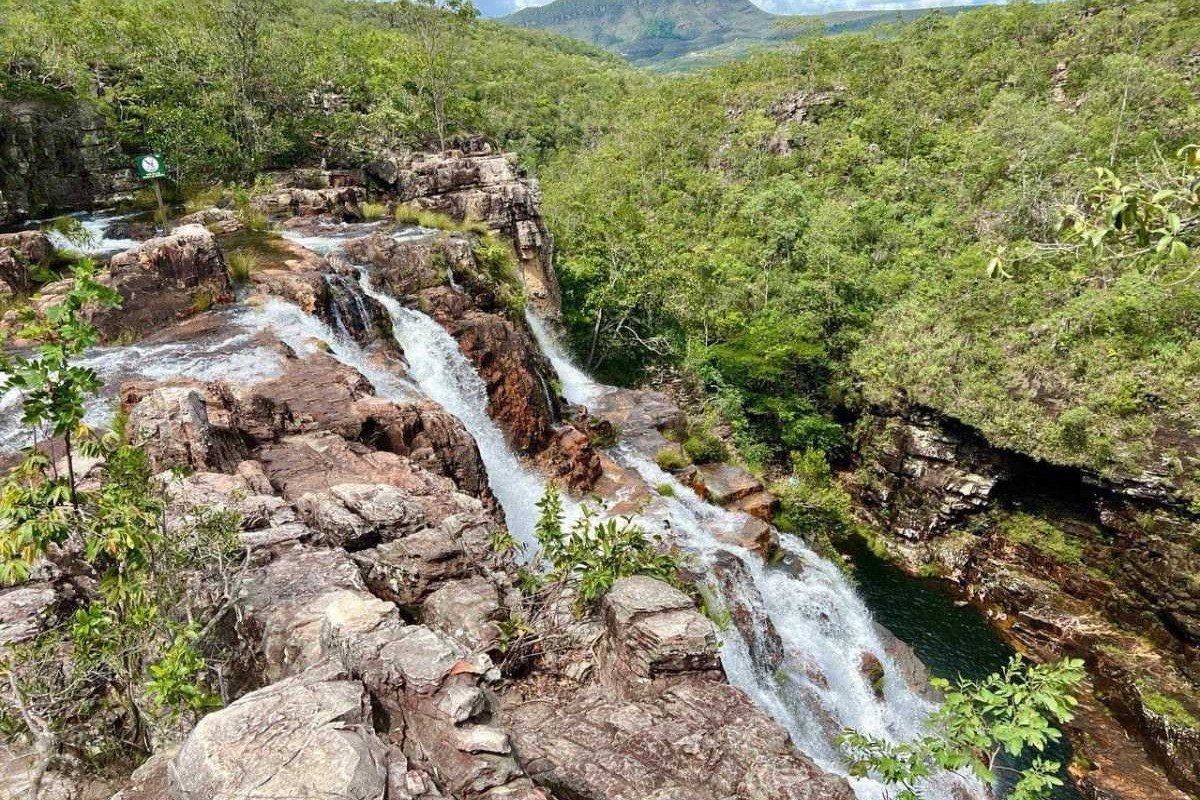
872	670
571	459
762	505
514	372
642	416
159	281
746	610
724	484
20	251
341	203
480	186
309	736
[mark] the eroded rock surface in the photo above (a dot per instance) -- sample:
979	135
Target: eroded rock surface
478	185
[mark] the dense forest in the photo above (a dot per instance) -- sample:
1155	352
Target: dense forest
802	233
808	256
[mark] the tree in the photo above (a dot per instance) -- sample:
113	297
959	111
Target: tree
54	388
977	724
121	652
438	27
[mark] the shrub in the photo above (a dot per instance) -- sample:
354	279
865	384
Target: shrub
373	211
241	264
665	489
255	221
812	505
703	447
1009	712
594	554
670	460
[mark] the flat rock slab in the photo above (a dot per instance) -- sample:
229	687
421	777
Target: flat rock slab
699	740
309	736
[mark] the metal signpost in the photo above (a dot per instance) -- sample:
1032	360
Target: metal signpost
150	167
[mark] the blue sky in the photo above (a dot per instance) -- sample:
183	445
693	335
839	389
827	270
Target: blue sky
497	8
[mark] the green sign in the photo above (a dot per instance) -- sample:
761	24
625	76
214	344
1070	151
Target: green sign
150	166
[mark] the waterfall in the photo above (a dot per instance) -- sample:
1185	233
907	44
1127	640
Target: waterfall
442	371
818	688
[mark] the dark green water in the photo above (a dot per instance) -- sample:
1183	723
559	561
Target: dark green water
952	639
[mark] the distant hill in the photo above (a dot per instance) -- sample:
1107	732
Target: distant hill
683	34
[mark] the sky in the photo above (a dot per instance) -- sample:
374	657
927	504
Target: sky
498	8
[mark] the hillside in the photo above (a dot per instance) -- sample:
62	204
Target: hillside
690	34
656	31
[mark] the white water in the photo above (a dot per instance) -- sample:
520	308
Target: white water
824	626
229	355
442	373
97	243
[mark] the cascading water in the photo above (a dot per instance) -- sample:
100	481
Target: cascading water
227	354
818	688
443	374
447	378
95	240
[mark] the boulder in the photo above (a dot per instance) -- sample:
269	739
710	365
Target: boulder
466	610
653	637
174	425
340	202
283	603
18	252
702	740
221	221
480	186
309	736
159	281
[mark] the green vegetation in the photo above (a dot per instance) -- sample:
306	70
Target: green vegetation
225	88
241	263
121	662
932	229
592	555
1043	537
1169	708
1006	713
669	459
812	505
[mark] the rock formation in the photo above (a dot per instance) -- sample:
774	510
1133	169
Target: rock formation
56	156
1076	565
478	185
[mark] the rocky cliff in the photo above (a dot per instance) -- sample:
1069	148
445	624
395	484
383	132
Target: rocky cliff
56	155
476	184
1071	563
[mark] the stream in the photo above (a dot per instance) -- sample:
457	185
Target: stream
817	686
